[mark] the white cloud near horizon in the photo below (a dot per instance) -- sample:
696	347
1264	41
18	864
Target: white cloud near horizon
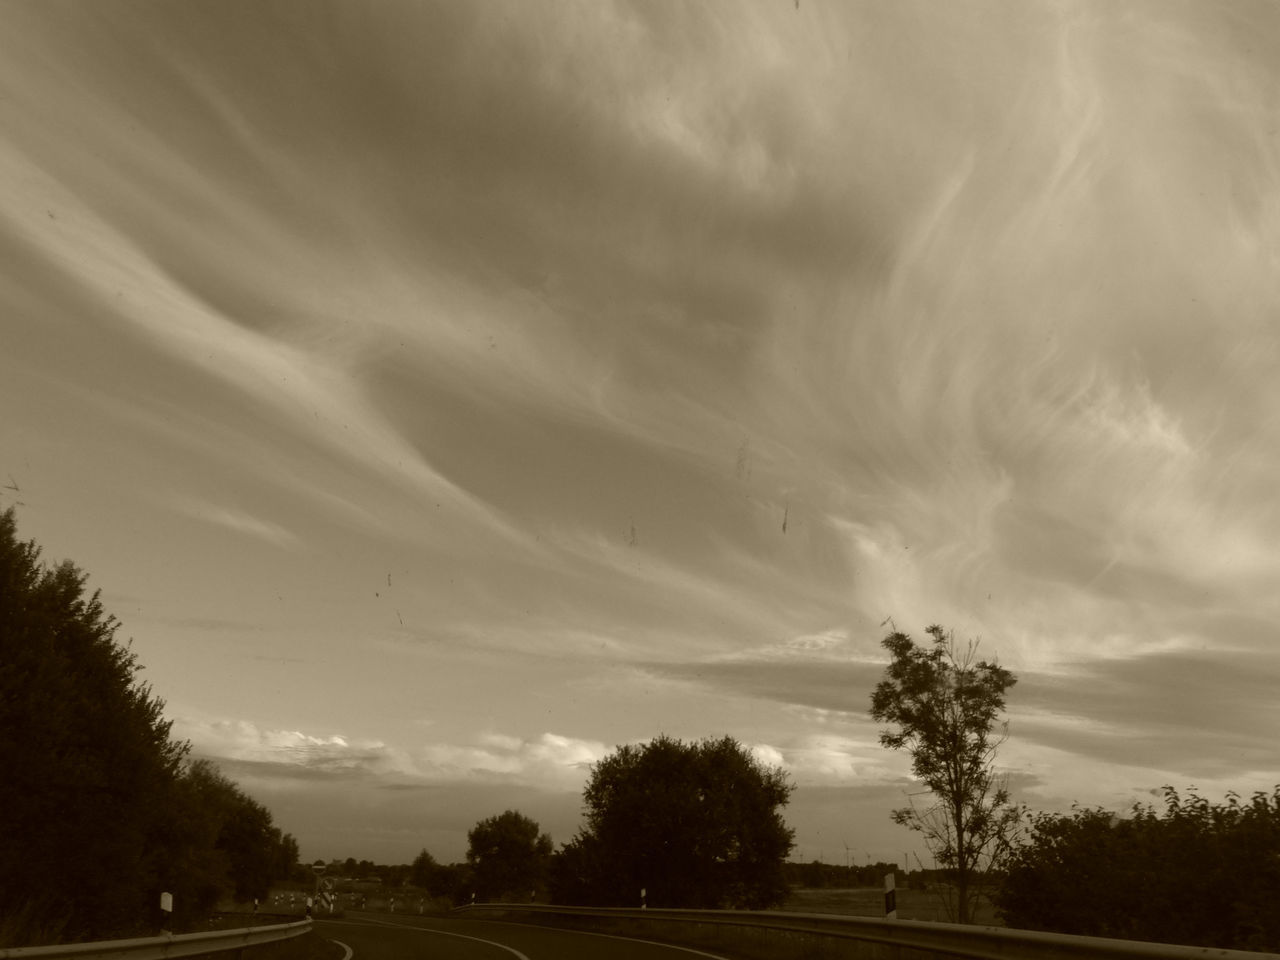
549	761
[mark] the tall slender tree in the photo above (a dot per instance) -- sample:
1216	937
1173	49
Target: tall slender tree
944	708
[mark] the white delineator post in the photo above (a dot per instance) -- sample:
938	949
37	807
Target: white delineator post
318	869
890	898
166	912
643	904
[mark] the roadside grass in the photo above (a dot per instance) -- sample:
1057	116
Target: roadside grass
869	902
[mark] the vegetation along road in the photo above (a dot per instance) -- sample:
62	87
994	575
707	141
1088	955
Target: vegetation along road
412	937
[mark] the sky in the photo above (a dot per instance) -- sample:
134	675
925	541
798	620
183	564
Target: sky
444	394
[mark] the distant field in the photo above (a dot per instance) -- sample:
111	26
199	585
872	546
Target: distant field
869	902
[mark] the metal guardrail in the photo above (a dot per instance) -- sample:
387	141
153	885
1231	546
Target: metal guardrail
950	939
168	947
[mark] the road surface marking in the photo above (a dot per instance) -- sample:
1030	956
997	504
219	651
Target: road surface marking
585	933
347	955
656	943
445	933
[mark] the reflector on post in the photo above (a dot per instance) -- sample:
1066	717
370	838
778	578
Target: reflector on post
166	912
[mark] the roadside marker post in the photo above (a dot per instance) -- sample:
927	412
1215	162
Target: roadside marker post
643	905
166	913
318	869
890	898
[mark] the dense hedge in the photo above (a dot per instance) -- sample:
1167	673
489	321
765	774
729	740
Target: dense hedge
1196	873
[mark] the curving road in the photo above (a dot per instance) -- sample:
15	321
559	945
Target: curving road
411	937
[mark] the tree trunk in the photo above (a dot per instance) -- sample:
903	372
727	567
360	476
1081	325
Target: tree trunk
962	866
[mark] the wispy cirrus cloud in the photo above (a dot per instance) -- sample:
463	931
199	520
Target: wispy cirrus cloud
238	521
648	359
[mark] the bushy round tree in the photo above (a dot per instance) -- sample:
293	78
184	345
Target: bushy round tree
693	825
509	855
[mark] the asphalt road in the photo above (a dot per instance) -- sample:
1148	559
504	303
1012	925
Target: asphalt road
409	937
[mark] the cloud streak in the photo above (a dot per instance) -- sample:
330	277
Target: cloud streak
613	370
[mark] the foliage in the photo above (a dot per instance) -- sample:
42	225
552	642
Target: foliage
694	825
423	871
1201	874
943	705
240	839
509	856
85	752
351	871
454	880
100	810
457	882
580	872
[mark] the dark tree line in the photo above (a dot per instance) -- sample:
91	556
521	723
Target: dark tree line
819	875
1196	873
351	870
691	824
508	859
454	881
102	810
392	875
